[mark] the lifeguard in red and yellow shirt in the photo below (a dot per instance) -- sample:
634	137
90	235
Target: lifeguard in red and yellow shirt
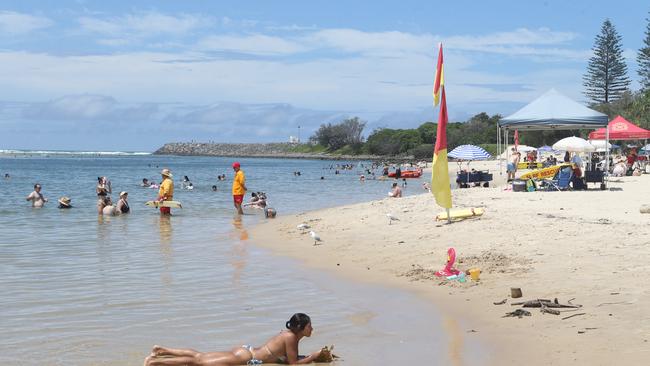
238	187
166	191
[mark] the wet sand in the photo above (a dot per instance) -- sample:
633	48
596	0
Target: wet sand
587	247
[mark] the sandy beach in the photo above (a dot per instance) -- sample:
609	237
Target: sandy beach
585	247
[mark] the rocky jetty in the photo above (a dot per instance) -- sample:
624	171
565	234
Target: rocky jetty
260	150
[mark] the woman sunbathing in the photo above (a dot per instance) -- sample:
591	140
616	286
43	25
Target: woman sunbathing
282	348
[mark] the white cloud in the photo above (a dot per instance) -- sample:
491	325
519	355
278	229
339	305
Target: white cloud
520	42
380	72
291	28
146	24
13	23
256	44
87	107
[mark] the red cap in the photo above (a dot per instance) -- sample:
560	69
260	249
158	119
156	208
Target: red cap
235	165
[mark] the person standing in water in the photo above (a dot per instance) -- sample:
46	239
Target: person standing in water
282	348
123	204
166	191
238	187
37	198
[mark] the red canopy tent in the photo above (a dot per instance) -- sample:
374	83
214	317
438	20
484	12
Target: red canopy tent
621	129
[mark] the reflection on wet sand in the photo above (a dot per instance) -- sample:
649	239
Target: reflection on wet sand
103	230
104	251
455	338
165	230
239	249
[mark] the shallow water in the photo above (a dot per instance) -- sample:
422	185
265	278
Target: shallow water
82	290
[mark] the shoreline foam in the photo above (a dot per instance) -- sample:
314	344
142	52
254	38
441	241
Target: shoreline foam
584	245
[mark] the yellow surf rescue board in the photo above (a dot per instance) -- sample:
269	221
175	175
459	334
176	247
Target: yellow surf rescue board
157	204
461	213
527	165
546	173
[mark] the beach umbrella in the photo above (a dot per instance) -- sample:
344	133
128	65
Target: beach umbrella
546	150
525	148
574	144
600	145
469	152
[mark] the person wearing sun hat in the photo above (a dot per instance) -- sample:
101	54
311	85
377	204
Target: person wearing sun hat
166	191
65	202
238	187
123	204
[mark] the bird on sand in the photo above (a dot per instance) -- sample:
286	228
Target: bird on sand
391	218
315	237
302	226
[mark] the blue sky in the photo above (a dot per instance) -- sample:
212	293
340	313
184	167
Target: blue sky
124	75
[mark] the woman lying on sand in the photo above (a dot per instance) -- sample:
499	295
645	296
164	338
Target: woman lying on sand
282	348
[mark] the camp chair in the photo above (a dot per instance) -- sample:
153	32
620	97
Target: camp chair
561	180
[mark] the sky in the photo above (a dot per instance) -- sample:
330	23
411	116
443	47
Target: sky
133	75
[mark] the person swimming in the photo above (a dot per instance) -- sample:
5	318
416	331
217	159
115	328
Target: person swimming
281	348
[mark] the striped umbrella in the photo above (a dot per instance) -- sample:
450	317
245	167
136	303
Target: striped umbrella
469	152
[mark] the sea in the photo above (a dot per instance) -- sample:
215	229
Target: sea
82	289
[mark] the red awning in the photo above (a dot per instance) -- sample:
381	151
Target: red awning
621	129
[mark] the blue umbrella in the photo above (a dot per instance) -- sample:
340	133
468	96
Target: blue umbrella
469	152
547	149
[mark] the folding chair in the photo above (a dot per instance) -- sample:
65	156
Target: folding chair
561	180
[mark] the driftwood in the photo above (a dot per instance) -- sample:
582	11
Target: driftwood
500	302
549	311
518	313
544	303
571	316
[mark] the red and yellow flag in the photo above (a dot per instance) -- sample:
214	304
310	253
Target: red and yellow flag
440	170
440	79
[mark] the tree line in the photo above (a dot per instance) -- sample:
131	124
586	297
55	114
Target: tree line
606	84
346	137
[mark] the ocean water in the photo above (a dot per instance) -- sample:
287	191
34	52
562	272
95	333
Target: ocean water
78	289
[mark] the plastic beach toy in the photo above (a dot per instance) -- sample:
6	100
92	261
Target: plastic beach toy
475	274
449	269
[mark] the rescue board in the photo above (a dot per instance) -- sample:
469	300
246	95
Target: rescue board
157	204
461	213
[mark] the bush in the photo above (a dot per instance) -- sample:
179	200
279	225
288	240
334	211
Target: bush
308	149
334	137
386	141
422	152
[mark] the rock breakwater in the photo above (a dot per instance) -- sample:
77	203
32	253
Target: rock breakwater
259	150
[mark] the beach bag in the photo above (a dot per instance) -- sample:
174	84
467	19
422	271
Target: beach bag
530	185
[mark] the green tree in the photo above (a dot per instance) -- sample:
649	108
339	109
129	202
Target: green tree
335	136
643	58
428	132
606	78
640	109
387	141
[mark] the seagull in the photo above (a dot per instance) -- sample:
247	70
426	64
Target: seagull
315	237
302	226
391	218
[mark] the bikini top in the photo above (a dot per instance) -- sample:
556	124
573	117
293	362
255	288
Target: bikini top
125	207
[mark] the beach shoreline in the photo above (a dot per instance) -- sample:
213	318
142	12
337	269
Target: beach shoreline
574	246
